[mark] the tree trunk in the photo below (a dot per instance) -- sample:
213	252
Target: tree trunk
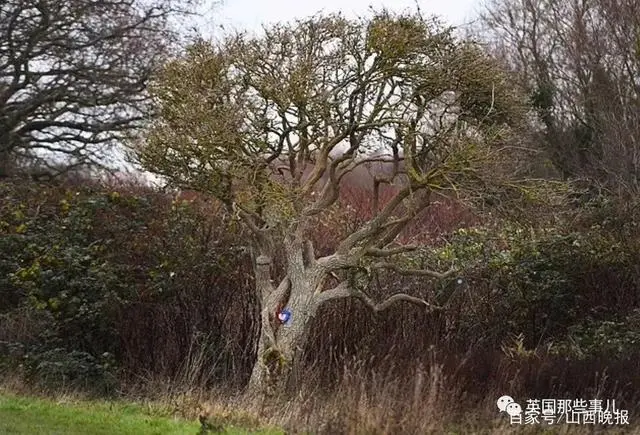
280	346
292	339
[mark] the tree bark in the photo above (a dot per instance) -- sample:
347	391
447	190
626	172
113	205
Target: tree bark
280	346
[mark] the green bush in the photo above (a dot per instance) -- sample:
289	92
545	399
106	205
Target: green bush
615	339
83	257
63	368
542	284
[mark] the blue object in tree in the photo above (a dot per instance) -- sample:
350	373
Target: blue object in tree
285	316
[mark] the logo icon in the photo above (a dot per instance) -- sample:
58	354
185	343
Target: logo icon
513	409
503	402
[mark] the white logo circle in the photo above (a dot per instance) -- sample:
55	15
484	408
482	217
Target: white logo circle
503	402
513	409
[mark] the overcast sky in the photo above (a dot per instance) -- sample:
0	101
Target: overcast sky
251	14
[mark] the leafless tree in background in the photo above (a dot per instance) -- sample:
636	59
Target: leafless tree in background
580	60
73	75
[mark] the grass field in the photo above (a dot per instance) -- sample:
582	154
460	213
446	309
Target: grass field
22	415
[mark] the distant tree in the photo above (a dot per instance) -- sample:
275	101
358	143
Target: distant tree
580	62
73	75
271	125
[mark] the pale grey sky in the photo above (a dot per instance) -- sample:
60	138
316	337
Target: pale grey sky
251	14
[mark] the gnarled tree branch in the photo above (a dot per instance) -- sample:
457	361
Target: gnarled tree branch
415	272
345	290
389	252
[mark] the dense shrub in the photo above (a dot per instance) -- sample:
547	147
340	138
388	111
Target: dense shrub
542	283
97	263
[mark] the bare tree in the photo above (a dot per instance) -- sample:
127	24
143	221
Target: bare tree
580	60
73	75
272	125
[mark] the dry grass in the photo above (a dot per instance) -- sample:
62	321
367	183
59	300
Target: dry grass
426	402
